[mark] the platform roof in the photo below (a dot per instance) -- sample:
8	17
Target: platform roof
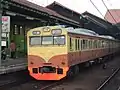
46	11
65	11
56	3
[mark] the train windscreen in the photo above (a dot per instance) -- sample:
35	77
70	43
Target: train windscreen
47	40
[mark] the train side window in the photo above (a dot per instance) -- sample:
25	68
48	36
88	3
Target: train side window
70	43
83	44
98	43
107	44
93	45
88	44
102	44
78	44
95	42
75	44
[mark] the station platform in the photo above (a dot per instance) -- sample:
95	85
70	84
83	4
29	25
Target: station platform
13	65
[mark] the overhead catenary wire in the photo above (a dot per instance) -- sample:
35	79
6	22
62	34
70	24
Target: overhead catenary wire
97	9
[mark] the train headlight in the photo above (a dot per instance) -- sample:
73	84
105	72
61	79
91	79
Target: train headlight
36	32
56	32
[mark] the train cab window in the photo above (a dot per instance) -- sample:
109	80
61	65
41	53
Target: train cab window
90	44
36	40
47	40
59	40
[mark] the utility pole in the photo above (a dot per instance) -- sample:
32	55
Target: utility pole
0	29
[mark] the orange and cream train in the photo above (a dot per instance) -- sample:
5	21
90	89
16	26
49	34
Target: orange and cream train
55	52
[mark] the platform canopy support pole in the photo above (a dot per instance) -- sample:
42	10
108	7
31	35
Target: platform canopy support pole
0	30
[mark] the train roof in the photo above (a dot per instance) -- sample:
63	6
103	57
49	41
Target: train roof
82	31
88	32
108	37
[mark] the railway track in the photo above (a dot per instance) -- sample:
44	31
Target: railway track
43	85
47	87
108	79
95	78
30	84
22	80
13	79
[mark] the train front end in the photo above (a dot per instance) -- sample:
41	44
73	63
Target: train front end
47	53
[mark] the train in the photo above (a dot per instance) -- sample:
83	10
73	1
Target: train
55	52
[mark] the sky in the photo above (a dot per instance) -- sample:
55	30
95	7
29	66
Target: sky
81	6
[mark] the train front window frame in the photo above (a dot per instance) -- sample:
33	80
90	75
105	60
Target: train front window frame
47	40
59	40
50	40
35	40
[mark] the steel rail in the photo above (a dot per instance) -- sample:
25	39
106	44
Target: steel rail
108	79
52	84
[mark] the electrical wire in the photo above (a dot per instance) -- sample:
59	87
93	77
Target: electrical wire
97	9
